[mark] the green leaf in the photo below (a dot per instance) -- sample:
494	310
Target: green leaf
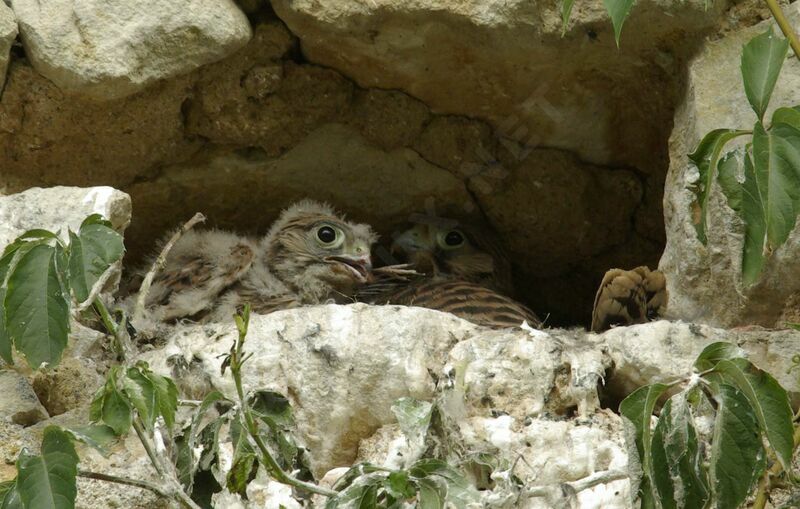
9	496
5	338
795	326
662	480
368	498
716	352
98	437
142	394
755	227
37	315
638	409
167	396
96	219
111	406
5	487
243	465
683	453
431	494
618	11
400	486
414	417
769	401
186	463
566	11
37	234
728	178
790	116
49	480
706	157
273	408
92	252
737	454
776	155
453	485
762	59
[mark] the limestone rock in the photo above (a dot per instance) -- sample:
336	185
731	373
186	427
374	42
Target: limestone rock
342	367
8	33
19	404
705	282
113	48
48	138
71	384
60	208
664	351
503	61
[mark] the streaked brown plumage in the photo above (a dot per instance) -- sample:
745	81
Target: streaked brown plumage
626	297
310	255
467	300
464	272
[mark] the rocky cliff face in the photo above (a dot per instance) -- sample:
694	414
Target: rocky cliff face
477	111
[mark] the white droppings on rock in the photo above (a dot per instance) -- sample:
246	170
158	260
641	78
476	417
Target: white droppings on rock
498	432
265	493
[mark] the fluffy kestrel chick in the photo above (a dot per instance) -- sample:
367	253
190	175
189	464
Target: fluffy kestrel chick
310	255
464	272
626	297
461	252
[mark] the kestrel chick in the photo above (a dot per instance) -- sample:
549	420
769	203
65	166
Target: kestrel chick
461	252
463	272
310	255
626	297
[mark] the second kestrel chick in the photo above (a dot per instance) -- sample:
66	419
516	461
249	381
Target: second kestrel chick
456	252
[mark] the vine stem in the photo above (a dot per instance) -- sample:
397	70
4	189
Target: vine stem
784	25
272	466
762	494
123	480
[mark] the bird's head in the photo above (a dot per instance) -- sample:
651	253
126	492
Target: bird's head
453	251
318	253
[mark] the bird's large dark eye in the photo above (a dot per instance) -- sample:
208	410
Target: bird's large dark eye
454	238
326	234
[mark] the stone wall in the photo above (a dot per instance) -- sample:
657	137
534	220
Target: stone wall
480	111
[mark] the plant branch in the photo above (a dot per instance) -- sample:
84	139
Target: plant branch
764	484
148	447
122	344
784	25
574	487
272	466
99	285
159	263
124	480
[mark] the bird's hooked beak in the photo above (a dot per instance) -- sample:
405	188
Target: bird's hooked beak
359	266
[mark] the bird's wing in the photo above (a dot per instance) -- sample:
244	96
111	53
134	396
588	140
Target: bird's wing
192	281
654	283
626	297
470	301
387	281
